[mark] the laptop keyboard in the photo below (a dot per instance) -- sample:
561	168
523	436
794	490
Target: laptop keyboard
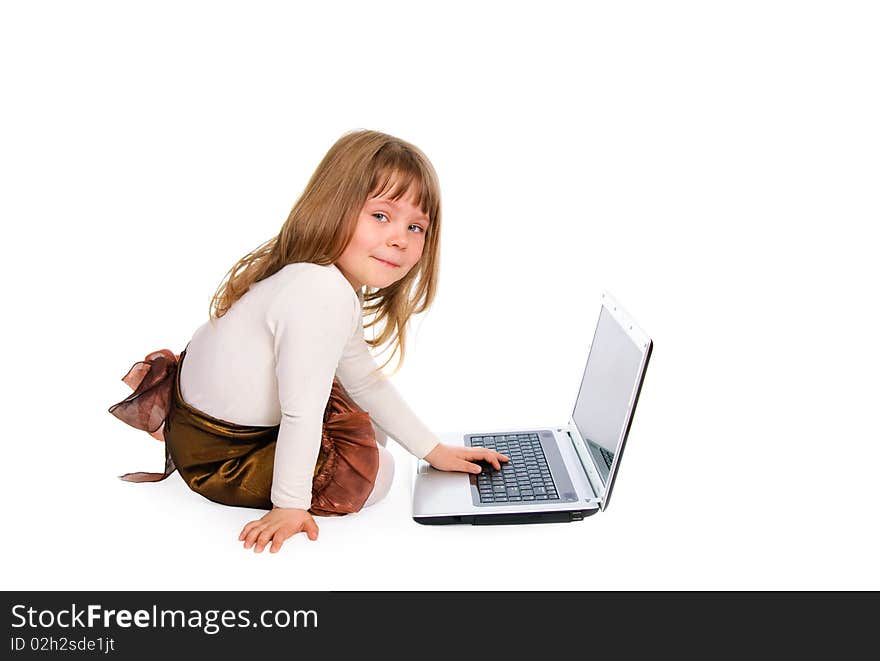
526	477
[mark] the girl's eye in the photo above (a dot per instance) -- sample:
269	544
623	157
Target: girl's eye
379	213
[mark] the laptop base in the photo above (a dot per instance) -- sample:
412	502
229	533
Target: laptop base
507	518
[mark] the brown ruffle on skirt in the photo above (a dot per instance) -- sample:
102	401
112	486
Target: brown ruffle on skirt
233	464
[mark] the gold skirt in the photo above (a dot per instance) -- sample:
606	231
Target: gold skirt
233	464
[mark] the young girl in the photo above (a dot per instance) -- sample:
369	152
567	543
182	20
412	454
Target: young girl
276	402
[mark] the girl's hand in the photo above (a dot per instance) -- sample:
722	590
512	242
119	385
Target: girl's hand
276	526
459	458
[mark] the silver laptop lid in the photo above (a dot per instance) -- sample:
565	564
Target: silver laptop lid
609	391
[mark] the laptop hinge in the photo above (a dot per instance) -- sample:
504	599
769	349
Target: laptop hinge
586	459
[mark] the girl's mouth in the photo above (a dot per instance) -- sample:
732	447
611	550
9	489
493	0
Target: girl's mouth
394	266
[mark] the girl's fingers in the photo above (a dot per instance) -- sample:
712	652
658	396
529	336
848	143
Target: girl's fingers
247	528
492	456
278	540
262	540
251	538
310	528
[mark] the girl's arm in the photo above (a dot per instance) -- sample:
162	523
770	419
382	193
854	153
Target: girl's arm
375	394
311	320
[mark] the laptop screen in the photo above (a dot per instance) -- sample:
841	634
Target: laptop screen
612	375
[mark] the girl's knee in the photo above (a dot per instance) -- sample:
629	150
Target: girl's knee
384	477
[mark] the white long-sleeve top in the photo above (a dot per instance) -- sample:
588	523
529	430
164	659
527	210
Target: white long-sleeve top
270	360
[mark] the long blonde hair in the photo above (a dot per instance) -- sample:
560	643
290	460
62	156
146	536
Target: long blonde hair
360	164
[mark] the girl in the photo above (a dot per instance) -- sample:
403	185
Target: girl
276	402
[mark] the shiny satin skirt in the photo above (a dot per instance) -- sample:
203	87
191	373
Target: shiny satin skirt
233	464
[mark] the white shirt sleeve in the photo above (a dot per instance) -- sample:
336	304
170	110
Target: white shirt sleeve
312	320
359	374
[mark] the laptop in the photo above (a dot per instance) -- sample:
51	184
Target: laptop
556	473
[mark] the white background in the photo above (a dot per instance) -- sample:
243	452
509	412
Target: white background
713	165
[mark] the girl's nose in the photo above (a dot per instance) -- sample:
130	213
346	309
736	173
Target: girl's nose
398	238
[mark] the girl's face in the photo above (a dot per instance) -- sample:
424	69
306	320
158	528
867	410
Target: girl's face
388	230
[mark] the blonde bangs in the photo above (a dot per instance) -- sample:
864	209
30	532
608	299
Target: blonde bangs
398	177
